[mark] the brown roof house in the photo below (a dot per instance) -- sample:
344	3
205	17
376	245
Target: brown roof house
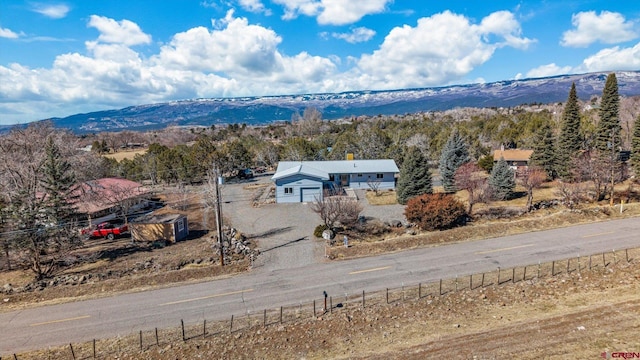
107	198
165	227
517	159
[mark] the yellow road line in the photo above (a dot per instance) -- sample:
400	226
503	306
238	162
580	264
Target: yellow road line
503	249
206	297
599	234
61	320
369	270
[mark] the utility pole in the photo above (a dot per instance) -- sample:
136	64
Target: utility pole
218	216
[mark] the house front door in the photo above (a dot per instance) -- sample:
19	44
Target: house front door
344	180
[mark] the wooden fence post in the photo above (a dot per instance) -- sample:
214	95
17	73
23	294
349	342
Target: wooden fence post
568	263
94	348
604	264
264	318
513	275
73	353
157	340
231	325
440	287
140	340
363	299
387	295
524	276
331	304
471	282
182	325
498	275
553	268
204	328
626	253
482	284
280	314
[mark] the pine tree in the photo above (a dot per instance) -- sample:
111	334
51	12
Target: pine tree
544	151
454	154
415	176
569	142
635	149
608	138
502	180
58	182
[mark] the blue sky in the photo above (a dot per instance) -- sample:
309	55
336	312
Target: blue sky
61	58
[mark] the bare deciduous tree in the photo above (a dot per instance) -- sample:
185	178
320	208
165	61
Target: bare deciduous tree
336	209
374	185
531	179
473	179
571	195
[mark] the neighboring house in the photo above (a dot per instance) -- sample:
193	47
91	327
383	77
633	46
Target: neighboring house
167	227
306	181
517	159
100	200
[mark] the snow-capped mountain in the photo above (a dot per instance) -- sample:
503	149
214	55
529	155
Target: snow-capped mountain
268	109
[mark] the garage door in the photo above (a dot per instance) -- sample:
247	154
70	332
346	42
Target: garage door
309	194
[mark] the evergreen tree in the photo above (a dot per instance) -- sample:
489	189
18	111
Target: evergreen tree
544	151
608	138
569	142
635	149
454	154
415	176
502	180
58	182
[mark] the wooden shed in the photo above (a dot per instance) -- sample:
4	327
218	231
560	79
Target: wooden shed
168	227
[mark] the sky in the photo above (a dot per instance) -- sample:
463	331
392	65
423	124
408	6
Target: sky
59	58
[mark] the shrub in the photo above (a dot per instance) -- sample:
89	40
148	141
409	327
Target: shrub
435	211
319	229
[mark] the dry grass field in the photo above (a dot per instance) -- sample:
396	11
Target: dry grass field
128	154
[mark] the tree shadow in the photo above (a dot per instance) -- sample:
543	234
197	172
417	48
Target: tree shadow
285	244
270	232
130	249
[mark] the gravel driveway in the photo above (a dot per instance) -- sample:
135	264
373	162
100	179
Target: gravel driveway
284	232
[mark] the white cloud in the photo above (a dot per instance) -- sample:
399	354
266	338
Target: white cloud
8	34
359	34
608	28
54	11
610	59
255	6
118	32
438	50
548	70
332	12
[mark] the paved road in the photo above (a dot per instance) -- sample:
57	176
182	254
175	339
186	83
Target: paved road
253	292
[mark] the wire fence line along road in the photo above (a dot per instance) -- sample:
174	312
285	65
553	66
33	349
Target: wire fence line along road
328	304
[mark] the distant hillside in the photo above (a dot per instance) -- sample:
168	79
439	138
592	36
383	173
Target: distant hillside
267	109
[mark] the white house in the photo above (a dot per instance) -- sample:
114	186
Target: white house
305	181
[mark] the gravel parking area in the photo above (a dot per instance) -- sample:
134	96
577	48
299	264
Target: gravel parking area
284	232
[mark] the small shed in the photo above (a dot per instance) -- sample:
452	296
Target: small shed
168	227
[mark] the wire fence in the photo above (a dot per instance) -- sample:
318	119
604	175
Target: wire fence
144	340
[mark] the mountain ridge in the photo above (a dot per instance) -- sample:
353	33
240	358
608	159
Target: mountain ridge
262	110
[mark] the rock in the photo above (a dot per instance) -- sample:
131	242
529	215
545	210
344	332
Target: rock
581	328
411	232
7	288
396	223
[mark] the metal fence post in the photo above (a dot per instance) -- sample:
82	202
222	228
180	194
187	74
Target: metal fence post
182	325
498	275
231	325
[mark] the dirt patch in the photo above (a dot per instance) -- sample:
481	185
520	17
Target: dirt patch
129	155
384	197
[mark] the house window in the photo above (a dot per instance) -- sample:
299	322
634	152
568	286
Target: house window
288	191
332	178
379	176
180	225
359	175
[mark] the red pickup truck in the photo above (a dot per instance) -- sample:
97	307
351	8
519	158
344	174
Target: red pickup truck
106	229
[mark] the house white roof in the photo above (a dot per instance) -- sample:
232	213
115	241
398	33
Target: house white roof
322	169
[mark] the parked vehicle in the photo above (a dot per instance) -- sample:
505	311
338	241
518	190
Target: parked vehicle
106	229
